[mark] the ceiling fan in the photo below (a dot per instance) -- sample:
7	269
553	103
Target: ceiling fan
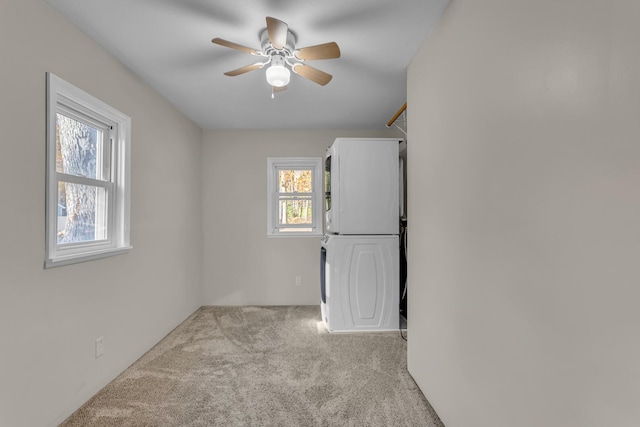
278	46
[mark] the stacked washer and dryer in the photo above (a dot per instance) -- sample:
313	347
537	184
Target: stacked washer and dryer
360	253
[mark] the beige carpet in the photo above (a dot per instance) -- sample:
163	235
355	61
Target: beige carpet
263	366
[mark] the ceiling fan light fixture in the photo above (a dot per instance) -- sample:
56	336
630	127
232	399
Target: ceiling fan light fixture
278	75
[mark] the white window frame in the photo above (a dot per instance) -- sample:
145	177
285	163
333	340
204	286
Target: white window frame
63	97
296	163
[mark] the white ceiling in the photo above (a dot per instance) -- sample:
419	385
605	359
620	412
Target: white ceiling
168	44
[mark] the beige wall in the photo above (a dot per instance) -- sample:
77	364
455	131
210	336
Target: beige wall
524	212
49	319
240	264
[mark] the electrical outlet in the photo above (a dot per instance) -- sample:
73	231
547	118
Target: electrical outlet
99	346
298	280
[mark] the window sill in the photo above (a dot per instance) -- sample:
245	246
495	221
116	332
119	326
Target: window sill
89	256
295	235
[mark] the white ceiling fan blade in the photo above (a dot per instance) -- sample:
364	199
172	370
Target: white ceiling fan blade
277	31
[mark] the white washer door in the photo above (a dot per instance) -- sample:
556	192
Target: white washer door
364	283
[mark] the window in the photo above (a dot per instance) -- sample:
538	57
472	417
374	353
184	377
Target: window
294	206
88	150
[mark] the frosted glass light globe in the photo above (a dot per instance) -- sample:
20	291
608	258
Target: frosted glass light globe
278	75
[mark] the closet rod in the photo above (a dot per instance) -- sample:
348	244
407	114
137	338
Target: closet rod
394	118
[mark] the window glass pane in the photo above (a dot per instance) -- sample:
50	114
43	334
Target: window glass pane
295	181
78	147
295	211
82	213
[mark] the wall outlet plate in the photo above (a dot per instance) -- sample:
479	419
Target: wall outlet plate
99	346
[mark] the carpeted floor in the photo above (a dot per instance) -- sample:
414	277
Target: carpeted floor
263	366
